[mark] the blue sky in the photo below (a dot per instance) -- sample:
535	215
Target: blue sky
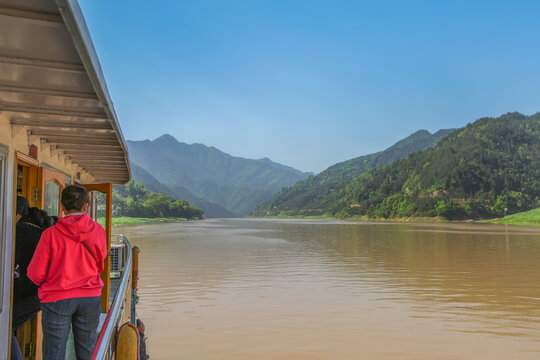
312	83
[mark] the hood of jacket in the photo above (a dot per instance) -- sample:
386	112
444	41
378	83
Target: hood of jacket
76	227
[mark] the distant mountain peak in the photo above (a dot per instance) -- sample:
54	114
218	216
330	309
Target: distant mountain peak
165	138
421	131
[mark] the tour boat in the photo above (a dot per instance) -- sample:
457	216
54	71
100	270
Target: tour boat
58	127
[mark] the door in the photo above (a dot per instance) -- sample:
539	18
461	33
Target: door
100	210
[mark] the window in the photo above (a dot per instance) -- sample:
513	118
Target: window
52	198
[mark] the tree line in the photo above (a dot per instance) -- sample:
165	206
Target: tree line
134	200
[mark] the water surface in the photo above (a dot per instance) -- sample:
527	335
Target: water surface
292	289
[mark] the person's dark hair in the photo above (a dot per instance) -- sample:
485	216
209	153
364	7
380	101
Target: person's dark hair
138	322
22	205
74	197
48	221
38	217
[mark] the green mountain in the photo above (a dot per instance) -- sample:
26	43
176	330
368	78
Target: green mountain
235	183
309	196
211	210
478	171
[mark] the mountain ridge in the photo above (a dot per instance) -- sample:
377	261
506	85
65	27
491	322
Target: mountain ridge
235	183
307	193
481	170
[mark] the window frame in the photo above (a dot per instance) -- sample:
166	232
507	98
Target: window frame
3	222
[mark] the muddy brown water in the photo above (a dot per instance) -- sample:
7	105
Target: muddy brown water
294	289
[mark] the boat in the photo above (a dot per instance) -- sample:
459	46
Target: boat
58	127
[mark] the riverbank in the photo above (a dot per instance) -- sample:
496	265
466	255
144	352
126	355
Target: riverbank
358	218
531	218
126	220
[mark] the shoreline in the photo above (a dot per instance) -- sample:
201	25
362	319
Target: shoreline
126	220
526	218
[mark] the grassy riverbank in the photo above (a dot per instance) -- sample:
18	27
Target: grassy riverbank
360	218
126	220
531	217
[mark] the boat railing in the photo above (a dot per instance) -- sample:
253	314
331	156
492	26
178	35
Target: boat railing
106	342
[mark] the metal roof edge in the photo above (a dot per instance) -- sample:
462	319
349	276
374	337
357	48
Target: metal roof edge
76	25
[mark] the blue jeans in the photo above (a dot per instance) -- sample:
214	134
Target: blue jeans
57	317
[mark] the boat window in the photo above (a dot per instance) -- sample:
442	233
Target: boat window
3	235
52	197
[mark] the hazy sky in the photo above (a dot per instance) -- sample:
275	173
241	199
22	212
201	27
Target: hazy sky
311	83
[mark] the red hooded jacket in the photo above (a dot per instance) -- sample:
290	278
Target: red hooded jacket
62	267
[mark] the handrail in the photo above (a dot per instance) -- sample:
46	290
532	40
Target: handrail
108	330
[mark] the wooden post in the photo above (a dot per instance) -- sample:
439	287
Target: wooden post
135	268
106	274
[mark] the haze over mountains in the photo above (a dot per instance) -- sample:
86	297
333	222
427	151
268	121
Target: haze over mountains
221	184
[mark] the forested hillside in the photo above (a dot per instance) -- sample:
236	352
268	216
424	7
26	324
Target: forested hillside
308	196
476	172
134	200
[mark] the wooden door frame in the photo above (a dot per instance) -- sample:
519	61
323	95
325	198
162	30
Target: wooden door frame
106	274
32	193
30	334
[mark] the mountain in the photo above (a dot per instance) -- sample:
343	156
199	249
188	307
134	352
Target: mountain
142	177
211	210
308	196
235	183
482	170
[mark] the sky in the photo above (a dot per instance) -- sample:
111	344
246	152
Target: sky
311	83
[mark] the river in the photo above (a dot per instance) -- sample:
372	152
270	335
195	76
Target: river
295	289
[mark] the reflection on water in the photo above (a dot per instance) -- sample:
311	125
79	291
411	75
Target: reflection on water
290	289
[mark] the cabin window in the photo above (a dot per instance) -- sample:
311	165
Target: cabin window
3	234
52	197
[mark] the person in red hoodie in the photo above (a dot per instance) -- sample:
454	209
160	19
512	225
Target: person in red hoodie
66	266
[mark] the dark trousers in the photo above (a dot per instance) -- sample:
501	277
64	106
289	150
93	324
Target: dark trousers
82	314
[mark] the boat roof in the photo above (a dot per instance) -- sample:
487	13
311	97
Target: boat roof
51	82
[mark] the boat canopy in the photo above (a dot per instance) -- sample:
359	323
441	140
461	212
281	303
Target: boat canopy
52	85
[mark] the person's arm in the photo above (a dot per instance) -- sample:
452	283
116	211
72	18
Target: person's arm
39	265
